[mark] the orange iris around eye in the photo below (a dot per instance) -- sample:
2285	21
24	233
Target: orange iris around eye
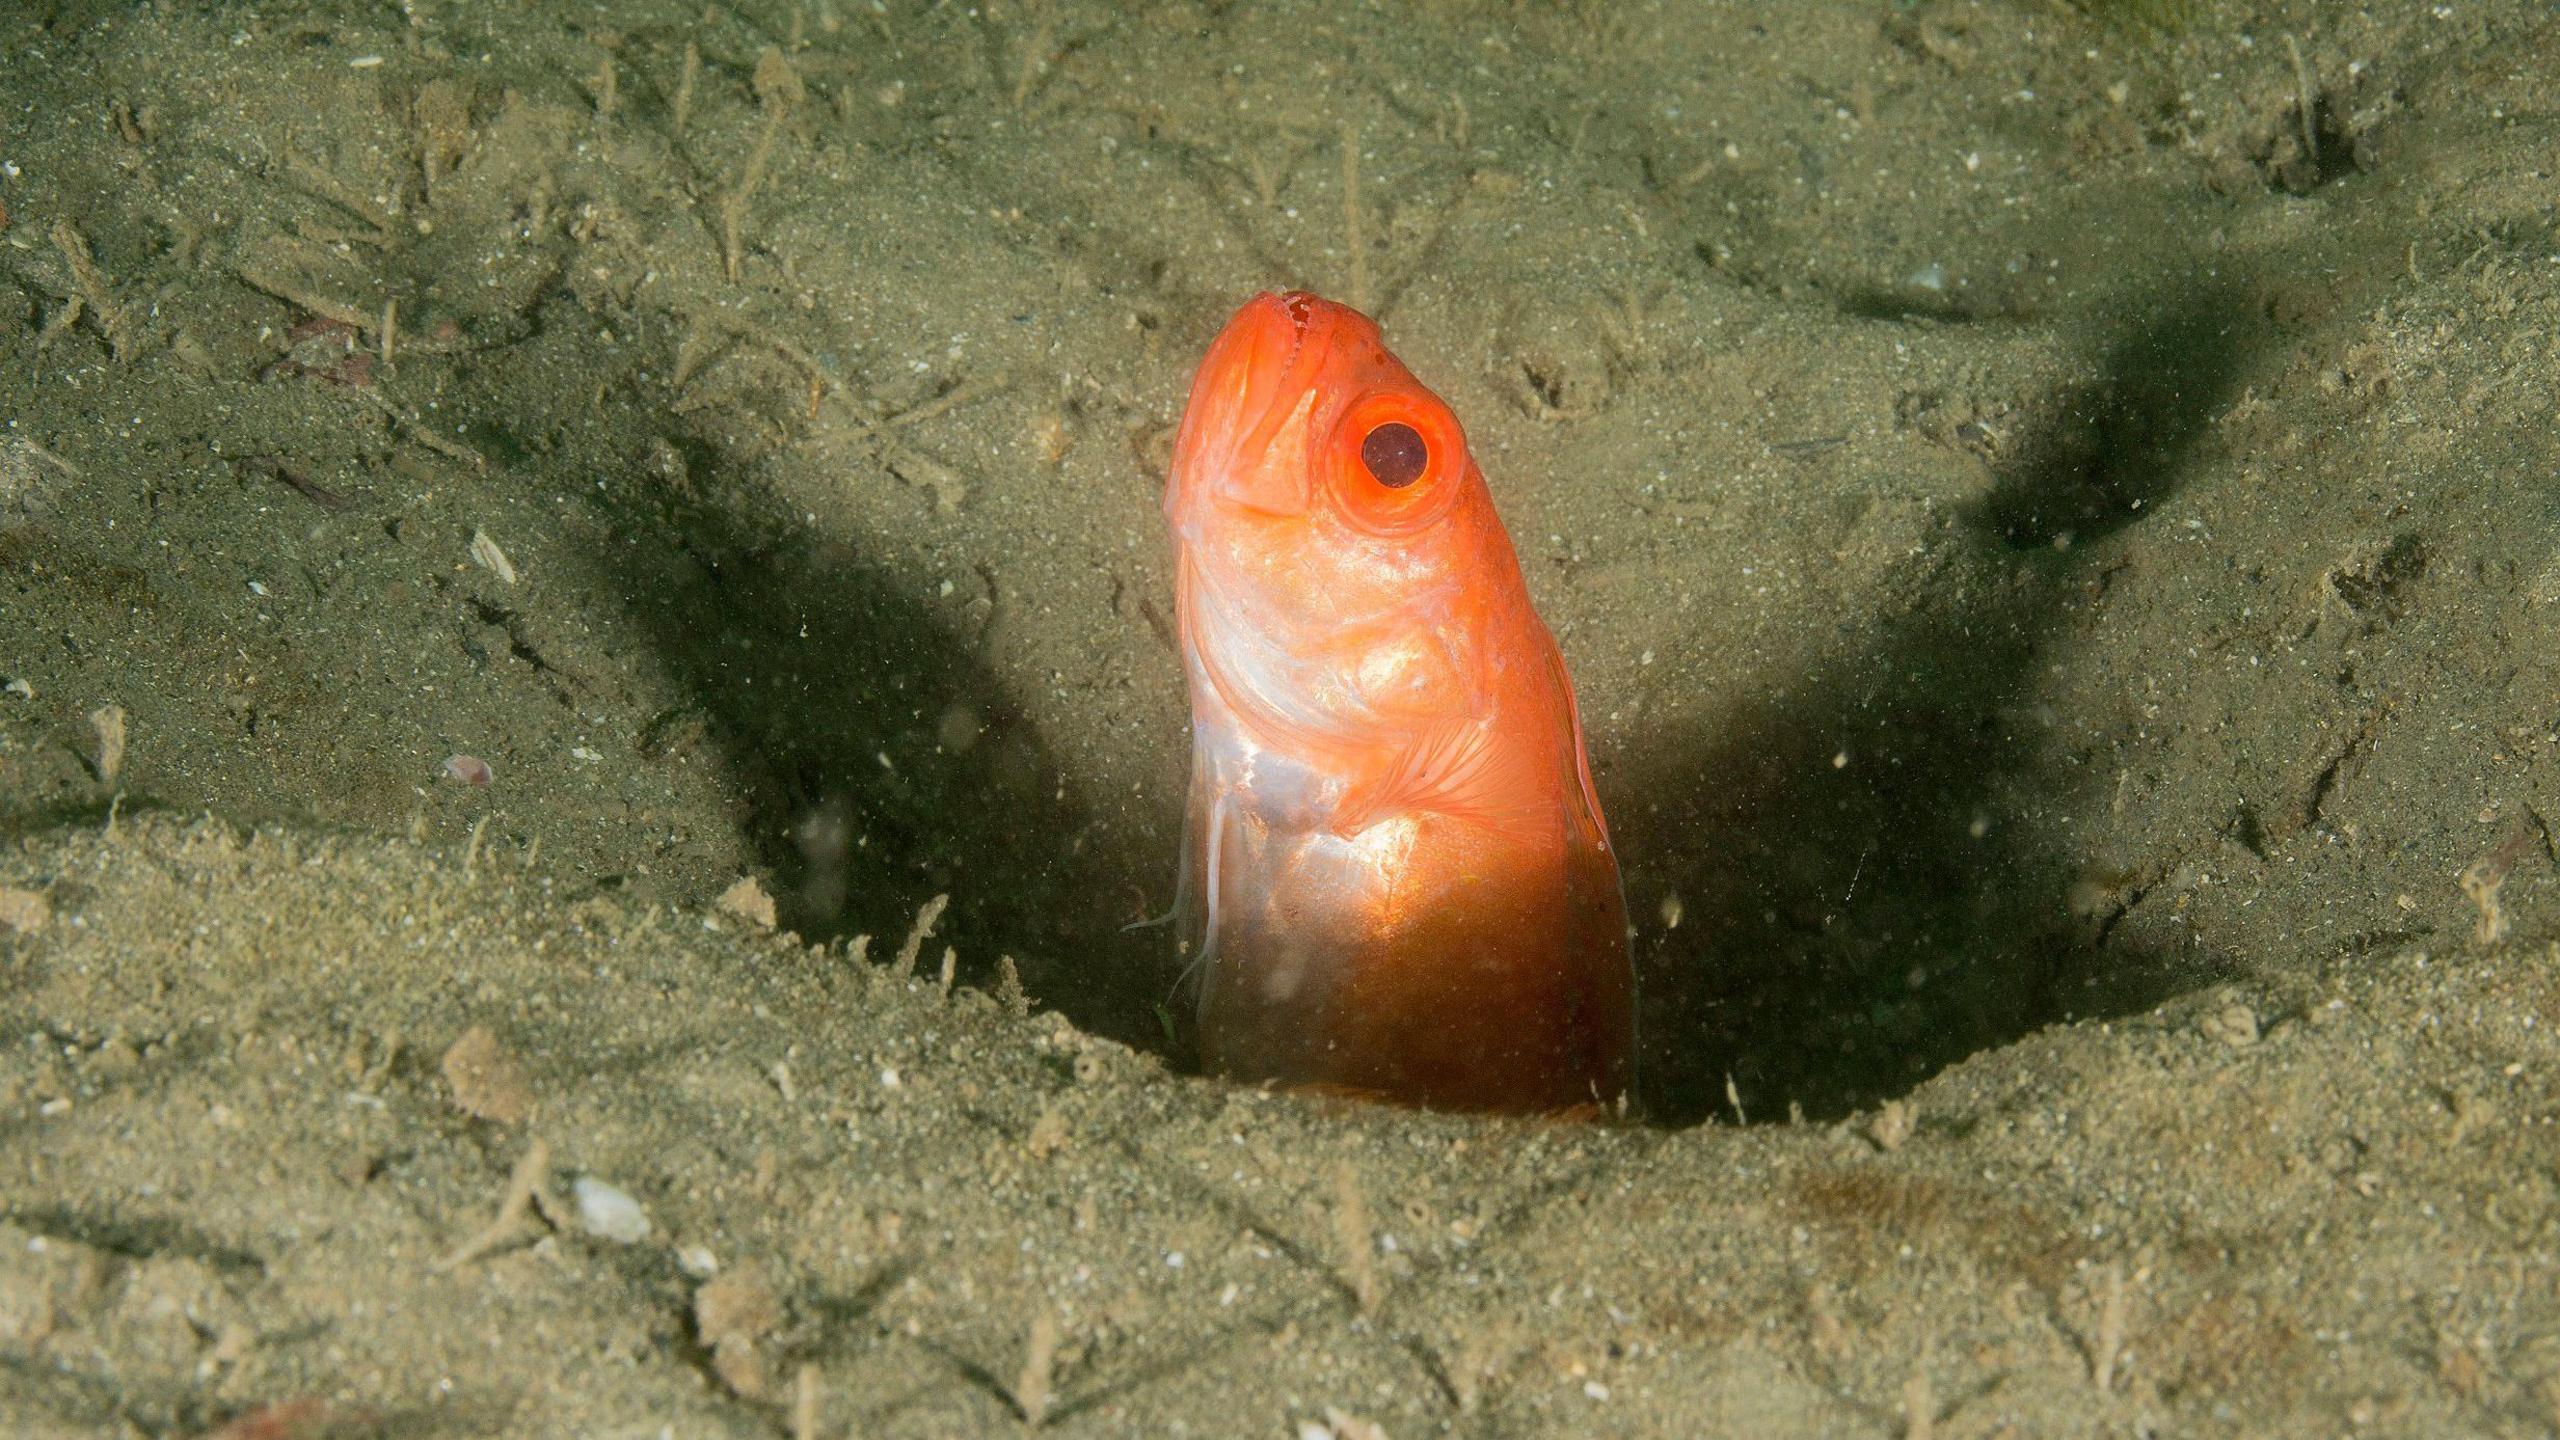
1396	460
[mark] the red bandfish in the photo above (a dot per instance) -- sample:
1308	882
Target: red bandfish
1404	888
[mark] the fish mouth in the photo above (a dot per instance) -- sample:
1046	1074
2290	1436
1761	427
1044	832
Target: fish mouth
1265	341
1260	375
1300	304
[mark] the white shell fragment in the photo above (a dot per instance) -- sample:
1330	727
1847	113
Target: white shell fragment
486	554
610	1212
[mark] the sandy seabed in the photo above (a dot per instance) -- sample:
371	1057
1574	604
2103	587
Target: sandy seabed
2054	511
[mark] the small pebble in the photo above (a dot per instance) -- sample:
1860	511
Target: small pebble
2234	1024
24	911
486	1079
609	1212
749	901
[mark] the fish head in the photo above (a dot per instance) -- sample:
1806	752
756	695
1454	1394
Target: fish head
1300	414
1340	558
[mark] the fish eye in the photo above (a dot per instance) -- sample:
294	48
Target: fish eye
1395	459
1395	454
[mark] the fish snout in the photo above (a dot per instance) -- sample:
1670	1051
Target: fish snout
1243	431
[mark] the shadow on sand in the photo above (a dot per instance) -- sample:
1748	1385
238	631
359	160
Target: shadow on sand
1864	902
876	762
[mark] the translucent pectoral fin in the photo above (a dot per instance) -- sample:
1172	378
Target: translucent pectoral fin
1212	866
1173	912
1194	815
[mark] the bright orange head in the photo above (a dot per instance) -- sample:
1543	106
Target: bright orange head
1299	411
1342	561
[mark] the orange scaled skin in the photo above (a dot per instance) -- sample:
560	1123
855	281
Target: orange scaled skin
1396	879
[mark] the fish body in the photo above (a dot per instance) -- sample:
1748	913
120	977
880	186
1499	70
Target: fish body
1397	882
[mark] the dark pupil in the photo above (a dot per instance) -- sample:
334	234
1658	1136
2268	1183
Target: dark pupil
1395	455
